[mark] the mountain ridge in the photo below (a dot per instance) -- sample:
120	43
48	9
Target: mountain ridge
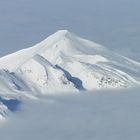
68	59
63	62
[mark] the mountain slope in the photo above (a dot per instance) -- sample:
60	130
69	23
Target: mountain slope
62	63
65	62
4	112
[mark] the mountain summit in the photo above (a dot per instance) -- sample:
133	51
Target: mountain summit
63	62
66	62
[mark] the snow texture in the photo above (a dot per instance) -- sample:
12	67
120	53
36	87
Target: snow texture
65	62
62	63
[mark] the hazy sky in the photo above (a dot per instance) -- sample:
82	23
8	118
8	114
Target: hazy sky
113	23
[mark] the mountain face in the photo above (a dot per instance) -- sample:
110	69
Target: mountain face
65	62
4	112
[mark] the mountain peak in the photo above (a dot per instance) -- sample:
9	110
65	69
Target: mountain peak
63	62
60	33
69	61
63	31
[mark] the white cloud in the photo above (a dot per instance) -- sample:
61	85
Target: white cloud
85	116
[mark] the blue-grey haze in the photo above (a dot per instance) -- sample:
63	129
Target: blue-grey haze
113	23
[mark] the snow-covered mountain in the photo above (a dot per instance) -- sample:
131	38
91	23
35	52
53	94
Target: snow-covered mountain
63	62
66	62
4	112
